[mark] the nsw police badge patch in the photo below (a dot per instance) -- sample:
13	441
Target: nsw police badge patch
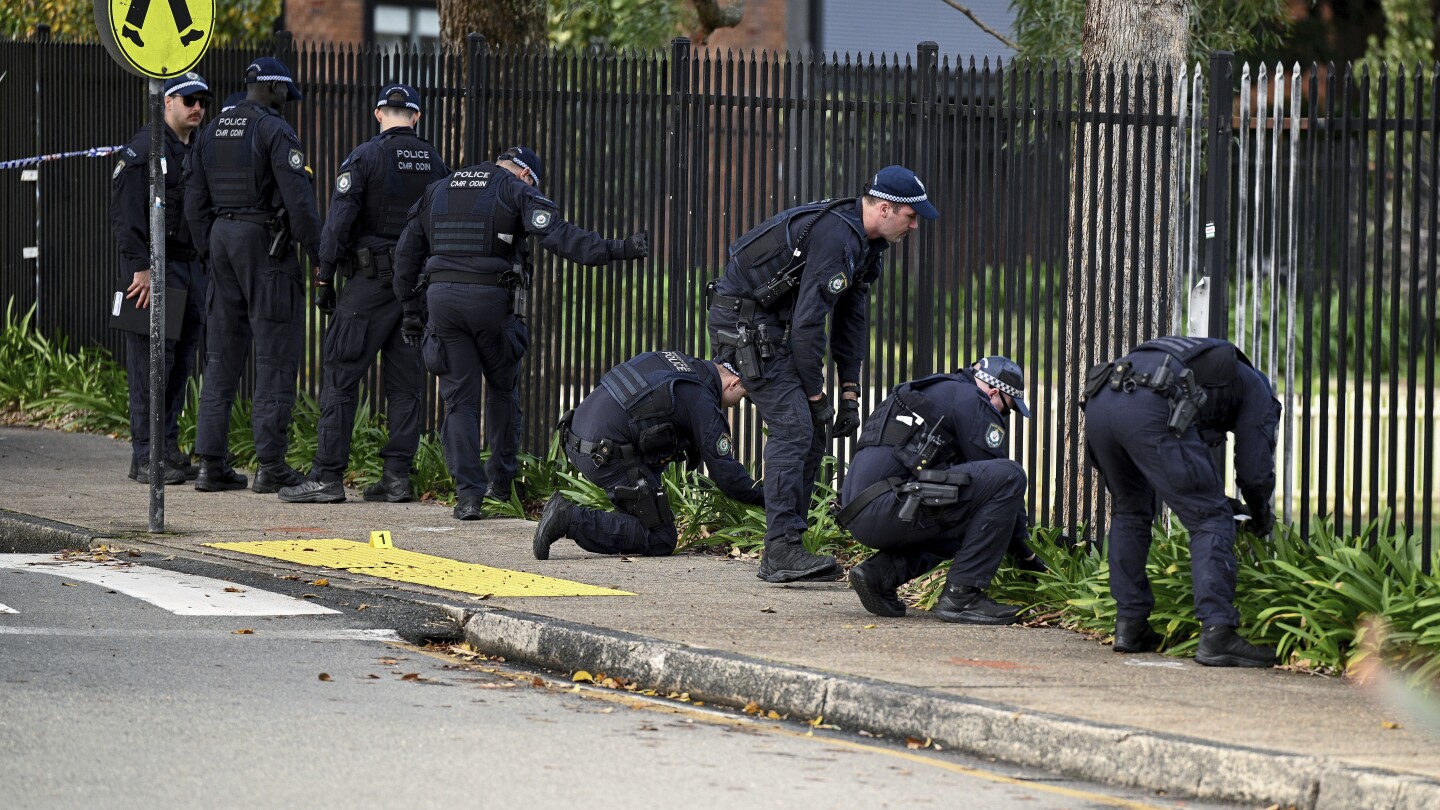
994	435
723	445
540	220
119	167
837	284
342	183
296	159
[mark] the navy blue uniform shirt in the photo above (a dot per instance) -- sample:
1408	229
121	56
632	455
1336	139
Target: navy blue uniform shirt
130	193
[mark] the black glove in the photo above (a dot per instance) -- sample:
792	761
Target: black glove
411	328
1262	521
325	298
849	419
820	411
637	246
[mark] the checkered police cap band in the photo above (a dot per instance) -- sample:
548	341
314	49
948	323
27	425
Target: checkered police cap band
996	383
398	98
514	158
874	192
187	88
730	369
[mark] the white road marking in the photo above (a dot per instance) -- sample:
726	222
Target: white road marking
260	634
181	594
432	528
4	609
1169	664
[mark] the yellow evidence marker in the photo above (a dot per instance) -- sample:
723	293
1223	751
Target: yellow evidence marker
399	565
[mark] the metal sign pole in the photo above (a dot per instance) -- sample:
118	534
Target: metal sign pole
158	439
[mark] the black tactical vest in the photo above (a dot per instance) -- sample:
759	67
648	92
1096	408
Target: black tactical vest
1215	364
895	423
768	247
230	157
410	165
467	217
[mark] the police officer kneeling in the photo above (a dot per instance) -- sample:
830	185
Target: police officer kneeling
1150	420
930	481
468	233
653	409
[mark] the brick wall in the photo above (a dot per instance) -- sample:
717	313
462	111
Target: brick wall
326	20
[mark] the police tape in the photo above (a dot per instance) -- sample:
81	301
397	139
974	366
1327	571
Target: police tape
94	151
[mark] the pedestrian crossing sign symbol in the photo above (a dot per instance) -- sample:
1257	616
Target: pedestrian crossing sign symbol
157	39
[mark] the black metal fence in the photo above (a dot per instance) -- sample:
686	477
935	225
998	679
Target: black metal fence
1081	211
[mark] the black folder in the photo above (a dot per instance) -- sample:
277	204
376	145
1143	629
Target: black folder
127	317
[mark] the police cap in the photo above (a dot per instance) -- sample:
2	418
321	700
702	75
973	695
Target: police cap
900	185
189	84
399	95
525	158
270	69
1004	374
231	100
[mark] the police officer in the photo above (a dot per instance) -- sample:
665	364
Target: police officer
930	481
468	234
767	317
374	190
1151	418
653	409
248	197
186	98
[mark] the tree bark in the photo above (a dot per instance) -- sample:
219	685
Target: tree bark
503	23
1114	178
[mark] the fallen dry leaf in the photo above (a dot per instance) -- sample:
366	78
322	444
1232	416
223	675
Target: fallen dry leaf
320	583
325	676
291	577
133	553
752	708
373	675
234	590
411	676
582	676
915	742
363	606
538	682
772	715
69	585
244	631
869	627
1389	724
767	610
389	662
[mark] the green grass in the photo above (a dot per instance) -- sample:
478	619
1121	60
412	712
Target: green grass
1329	602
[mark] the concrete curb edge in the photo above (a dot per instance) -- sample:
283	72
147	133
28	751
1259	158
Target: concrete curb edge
1106	753
26	534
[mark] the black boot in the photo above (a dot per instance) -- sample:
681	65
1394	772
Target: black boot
217	476
274	476
312	491
183	462
467	507
503	492
391	488
554	522
1221	646
140	471
875	582
1135	636
965	604
786	560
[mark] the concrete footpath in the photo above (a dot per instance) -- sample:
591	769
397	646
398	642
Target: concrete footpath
705	625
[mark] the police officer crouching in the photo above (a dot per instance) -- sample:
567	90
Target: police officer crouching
651	410
468	234
248	198
1151	418
185	100
785	279
374	190
930	481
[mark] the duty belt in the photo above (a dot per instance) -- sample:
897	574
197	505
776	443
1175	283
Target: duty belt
469	277
257	217
744	308
382	264
867	495
601	452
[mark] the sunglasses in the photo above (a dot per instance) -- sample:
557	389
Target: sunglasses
191	101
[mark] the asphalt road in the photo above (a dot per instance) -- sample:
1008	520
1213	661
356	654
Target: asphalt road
110	701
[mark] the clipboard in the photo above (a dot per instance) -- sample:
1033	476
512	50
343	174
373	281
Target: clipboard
127	317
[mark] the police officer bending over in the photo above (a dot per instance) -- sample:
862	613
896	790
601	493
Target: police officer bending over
248	198
185	100
931	482
467	233
1151	418
767	317
374	190
653	409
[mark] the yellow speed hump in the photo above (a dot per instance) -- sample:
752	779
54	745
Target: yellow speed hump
158	39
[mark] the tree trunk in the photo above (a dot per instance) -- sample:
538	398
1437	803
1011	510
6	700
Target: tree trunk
1116	236
503	23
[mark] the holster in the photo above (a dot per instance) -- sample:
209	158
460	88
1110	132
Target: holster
747	354
278	226
641	501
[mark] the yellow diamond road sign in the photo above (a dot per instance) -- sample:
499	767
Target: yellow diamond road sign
156	38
